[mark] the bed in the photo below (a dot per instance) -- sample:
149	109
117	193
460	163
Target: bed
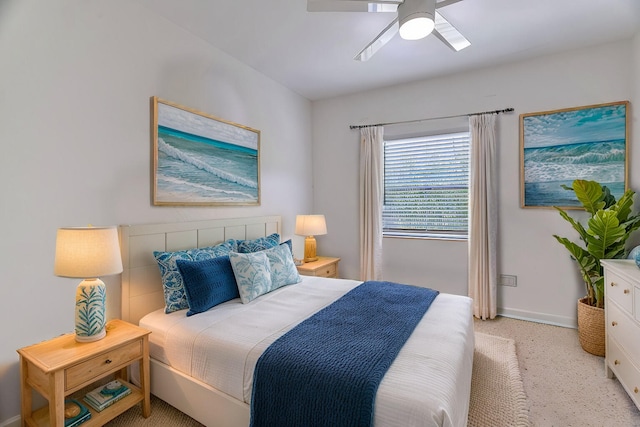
428	384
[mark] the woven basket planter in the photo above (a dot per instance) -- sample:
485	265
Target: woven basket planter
591	328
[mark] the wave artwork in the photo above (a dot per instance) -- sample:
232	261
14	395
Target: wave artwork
200	160
560	147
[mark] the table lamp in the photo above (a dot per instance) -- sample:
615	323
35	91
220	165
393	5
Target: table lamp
87	253
310	226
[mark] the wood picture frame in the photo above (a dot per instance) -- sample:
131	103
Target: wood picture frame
202	160
559	146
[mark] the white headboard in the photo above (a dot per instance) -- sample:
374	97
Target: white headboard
141	284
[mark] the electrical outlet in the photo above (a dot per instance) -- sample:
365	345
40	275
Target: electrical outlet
508	280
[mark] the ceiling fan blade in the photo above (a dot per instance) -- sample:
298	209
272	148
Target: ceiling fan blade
449	34
353	5
382	39
443	3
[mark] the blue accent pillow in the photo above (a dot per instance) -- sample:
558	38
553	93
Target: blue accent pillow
259	244
283	269
253	274
288	243
207	283
174	296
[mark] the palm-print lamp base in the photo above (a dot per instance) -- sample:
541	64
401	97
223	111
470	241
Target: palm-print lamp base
90	310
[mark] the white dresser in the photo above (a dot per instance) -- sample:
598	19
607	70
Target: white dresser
622	314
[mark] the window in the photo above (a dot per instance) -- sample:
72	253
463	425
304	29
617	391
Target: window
426	186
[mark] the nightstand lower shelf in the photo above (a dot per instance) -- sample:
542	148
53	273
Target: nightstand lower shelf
40	417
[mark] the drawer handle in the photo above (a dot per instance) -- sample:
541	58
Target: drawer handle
616	362
626	291
613	284
635	390
108	361
614	323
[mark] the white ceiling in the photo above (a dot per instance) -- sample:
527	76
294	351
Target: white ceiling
312	53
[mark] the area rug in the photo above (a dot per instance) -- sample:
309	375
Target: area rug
497	392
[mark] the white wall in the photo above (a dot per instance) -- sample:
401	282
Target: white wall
76	80
548	283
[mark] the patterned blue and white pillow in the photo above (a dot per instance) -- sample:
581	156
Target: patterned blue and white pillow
283	269
259	244
253	274
172	283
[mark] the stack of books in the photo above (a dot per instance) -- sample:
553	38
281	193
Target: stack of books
75	413
106	395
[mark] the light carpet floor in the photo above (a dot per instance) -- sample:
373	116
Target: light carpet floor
497	394
565	386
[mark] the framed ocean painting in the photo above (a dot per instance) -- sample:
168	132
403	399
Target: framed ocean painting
560	146
199	159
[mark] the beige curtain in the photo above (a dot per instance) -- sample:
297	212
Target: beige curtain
483	216
371	158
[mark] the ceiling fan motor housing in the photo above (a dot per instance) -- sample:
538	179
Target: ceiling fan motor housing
416	18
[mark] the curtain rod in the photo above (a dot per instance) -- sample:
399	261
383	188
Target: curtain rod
506	110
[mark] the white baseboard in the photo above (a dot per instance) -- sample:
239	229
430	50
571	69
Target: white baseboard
11	422
566	322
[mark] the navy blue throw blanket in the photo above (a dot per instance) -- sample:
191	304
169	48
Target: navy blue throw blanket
327	369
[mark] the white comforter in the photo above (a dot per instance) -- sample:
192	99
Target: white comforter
427	385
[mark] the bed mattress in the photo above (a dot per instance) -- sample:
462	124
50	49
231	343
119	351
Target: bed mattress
427	385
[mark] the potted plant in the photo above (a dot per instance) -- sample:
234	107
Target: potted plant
607	231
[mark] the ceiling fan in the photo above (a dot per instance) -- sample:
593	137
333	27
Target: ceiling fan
414	20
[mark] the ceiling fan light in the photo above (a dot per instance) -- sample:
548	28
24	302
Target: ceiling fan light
416	18
416	26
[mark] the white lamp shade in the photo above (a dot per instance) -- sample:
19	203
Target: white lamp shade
87	252
310	225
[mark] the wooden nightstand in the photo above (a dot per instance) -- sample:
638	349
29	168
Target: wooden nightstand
62	367
323	267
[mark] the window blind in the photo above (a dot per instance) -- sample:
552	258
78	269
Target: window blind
426	186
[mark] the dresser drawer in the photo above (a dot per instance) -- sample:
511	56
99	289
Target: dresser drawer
620	290
626	372
91	368
623	329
